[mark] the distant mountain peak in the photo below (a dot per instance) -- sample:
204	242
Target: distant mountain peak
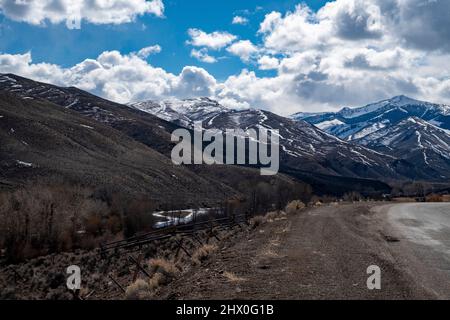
182	111
402	99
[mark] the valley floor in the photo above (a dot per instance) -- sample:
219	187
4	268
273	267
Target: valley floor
322	253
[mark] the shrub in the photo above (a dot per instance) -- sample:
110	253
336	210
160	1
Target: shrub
156	281
318	204
139	290
138	217
271	216
114	224
165	268
434	198
294	207
164	272
41	219
93	225
352	196
275	215
203	253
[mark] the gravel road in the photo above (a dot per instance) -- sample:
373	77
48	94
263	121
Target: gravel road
324	253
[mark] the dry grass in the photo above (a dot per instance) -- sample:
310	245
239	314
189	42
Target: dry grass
271	216
434	198
275	216
164	267
164	272
156	281
318	204
231	277
203	253
294	207
139	290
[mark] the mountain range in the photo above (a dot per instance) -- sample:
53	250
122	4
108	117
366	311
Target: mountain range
361	149
408	129
50	133
306	147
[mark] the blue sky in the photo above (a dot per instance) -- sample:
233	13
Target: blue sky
290	56
55	43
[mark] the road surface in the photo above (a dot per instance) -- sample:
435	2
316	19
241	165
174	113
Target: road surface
424	228
324	253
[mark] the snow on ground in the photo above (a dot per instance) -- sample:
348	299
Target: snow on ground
419	142
349	113
387	140
369	130
24	164
6	78
177	217
327	124
85	126
72	104
435	122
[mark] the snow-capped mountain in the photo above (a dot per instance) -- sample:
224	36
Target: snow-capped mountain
408	129
182	112
353	124
416	140
303	146
306	149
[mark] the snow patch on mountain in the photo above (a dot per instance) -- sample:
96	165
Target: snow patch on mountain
184	112
327	124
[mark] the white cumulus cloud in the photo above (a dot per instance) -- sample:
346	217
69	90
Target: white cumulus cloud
268	63
244	49
37	12
215	40
144	53
240	20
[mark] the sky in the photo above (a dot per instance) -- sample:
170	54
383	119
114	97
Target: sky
282	56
